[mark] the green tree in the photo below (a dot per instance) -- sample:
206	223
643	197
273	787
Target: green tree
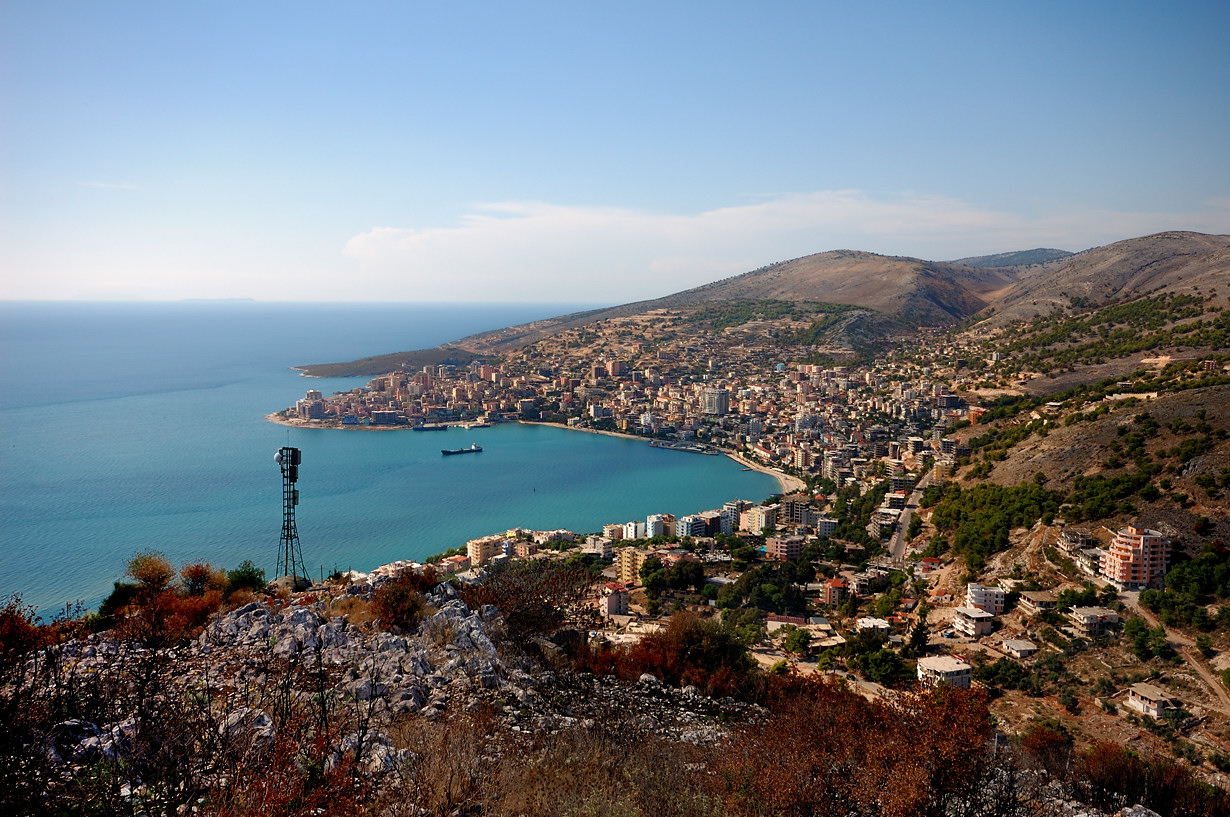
919	634
247	575
797	641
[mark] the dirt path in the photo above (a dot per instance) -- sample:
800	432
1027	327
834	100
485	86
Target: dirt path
1186	649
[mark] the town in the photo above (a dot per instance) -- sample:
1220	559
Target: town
849	571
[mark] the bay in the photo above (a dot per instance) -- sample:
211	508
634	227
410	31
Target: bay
131	427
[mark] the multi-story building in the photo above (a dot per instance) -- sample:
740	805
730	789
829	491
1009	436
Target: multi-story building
600	546
1092	622
760	517
934	670
628	562
901	483
1072	541
973	622
784	548
715	402
480	551
834	591
613	531
825	526
985	597
1135	559
614	600
690	525
795	507
1148	699
1036	601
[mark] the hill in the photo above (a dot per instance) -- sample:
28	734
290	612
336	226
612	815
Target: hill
1020	258
1126	270
892	294
884	297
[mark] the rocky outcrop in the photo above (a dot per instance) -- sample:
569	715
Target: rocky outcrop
450	664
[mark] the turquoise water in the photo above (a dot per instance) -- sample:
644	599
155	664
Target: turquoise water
128	427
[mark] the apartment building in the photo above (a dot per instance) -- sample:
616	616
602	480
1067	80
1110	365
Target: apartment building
985	597
1092	622
784	548
1135	559
480	551
972	622
628	562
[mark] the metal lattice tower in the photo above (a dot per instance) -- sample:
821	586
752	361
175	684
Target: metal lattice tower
290	558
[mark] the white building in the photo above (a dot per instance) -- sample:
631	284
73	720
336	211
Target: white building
1148	699
985	597
972	622
934	670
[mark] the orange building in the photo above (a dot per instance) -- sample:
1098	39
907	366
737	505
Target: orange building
1136	558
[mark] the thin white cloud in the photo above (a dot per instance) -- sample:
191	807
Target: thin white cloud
539	251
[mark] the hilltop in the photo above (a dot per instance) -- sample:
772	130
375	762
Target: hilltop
886	298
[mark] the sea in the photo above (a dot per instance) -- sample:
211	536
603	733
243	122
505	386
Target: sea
131	427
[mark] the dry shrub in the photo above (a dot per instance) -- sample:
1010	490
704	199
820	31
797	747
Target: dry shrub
243	596
449	769
167	618
399	604
20	632
691	650
834	753
439	632
536	598
358	612
291	777
151	571
196	578
1111	776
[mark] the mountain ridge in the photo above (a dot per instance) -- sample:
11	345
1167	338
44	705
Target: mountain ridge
897	293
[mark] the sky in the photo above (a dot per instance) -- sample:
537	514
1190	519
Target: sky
585	152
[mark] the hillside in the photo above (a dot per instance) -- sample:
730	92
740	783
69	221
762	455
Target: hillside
1020	258
1123	271
894	295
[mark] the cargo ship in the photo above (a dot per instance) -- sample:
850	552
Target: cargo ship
426	427
473	449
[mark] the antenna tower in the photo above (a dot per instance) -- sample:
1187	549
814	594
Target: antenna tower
290	558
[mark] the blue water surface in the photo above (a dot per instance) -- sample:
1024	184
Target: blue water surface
131	427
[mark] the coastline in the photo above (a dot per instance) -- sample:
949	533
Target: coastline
789	484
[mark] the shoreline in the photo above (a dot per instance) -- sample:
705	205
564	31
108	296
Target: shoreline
789	484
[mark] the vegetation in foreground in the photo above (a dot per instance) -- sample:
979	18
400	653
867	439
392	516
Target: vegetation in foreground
809	747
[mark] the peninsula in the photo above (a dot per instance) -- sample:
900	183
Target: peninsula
997	466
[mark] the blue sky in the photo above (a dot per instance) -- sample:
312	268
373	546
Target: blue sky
585	152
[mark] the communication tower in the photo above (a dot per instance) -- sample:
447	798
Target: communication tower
290	558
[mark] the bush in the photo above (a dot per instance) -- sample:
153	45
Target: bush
151	571
248	576
20	632
399	603
692	650
535	598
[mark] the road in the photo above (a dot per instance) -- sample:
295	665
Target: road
896	545
1185	647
